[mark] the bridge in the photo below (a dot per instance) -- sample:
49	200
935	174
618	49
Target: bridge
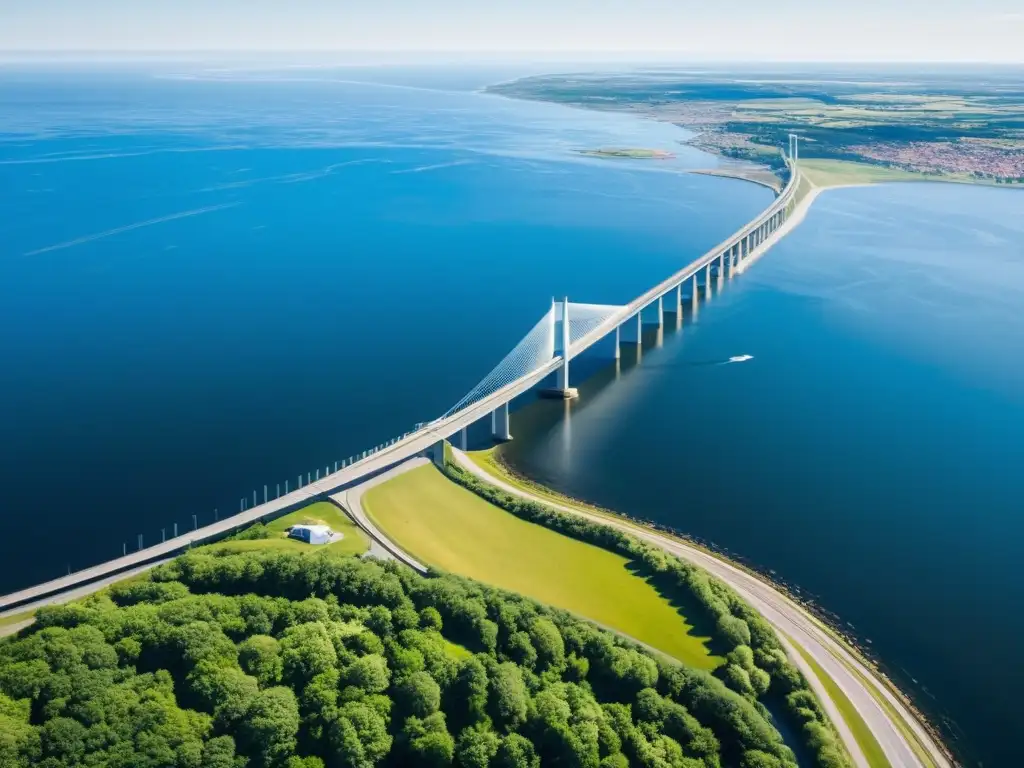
564	332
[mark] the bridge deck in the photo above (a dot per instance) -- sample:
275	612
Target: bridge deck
411	445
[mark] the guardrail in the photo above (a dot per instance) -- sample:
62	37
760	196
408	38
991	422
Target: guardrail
381	457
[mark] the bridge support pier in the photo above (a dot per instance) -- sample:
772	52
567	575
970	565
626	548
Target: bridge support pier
500	423
436	453
661	312
463	438
618	342
562	389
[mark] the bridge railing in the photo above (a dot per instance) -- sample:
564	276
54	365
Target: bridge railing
647	298
408	444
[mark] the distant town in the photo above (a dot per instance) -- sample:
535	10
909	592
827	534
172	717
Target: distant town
940	125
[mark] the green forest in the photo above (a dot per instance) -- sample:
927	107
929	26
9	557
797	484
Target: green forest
268	659
757	668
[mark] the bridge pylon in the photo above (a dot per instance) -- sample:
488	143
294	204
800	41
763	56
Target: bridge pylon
562	390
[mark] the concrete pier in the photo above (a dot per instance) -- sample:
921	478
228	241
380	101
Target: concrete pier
500	423
562	390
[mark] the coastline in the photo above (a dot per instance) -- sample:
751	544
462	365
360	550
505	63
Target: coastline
740	175
880	173
932	739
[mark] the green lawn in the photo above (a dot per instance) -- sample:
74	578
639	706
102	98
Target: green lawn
319	513
16	618
834	173
861	732
451	528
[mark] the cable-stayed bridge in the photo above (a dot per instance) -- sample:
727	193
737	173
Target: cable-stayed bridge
565	331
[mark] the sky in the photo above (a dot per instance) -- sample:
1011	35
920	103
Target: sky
750	30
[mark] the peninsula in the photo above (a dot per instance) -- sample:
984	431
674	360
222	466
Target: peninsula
631	154
936	126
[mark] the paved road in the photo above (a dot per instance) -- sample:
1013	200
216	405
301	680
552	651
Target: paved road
71	594
793	622
351	501
409	445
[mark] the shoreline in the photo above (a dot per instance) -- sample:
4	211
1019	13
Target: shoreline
829	622
885	173
739	175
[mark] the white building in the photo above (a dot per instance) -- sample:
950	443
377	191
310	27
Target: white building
312	534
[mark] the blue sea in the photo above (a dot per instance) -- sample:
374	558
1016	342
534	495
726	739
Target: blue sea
868	452
214	278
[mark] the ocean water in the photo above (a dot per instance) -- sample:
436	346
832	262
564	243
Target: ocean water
865	444
214	279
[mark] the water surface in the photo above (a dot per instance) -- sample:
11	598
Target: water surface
870	449
215	279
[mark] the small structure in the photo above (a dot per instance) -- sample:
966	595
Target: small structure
312	534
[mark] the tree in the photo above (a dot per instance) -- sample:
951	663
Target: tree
369	673
427	740
516	751
64	739
738	679
219	752
468	693
260	656
359	736
476	747
224	692
271	723
754	758
419	695
71	690
521	650
509	699
19	741
306	651
430	618
548	641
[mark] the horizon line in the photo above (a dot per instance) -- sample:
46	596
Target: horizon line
565	55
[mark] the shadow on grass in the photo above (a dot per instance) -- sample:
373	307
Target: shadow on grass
695	614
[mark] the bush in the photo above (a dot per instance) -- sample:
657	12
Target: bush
268	659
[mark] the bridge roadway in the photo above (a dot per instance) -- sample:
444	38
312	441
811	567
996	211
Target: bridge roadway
731	254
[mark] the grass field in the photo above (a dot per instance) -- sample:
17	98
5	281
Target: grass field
861	732
320	513
489	460
837	173
451	528
16	618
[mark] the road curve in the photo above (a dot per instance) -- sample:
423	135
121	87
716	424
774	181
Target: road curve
792	622
412	443
351	501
